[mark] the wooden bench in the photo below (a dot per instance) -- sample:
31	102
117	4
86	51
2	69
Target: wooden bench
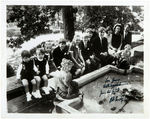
14	88
16	99
20	105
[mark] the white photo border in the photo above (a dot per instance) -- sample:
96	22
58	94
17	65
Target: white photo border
3	56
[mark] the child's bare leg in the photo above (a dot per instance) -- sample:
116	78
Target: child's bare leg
82	70
44	77
45	88
38	81
78	72
33	81
26	86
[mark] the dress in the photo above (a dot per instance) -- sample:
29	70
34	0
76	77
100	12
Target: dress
75	50
85	50
116	40
41	66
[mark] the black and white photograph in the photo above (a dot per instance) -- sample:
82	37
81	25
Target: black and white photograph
74	59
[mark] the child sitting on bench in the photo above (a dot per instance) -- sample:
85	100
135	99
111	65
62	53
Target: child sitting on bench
26	73
42	67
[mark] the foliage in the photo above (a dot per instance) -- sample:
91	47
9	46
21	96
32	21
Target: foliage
97	16
32	20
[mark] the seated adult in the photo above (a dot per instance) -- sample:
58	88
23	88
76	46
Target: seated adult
94	37
84	46
116	41
127	36
108	34
59	53
76	56
100	48
104	56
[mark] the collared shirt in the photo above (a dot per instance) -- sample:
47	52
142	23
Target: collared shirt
100	40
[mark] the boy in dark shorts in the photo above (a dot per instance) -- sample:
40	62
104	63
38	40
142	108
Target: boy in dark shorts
42	66
26	73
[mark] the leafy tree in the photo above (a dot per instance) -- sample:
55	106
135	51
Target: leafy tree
107	15
32	20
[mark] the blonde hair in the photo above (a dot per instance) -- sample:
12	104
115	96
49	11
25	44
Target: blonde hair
66	64
127	46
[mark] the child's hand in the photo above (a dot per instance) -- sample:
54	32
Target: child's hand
88	61
83	64
17	81
38	72
104	53
92	56
116	55
79	66
115	49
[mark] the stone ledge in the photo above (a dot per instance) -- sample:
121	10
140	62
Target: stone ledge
67	105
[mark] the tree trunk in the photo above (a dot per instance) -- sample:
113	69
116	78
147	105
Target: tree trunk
68	22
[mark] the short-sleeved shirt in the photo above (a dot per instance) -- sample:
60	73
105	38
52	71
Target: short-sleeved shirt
27	71
64	82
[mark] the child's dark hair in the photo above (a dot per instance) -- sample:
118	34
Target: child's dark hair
62	41
25	53
41	50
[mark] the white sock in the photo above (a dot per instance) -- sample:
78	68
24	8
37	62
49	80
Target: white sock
27	93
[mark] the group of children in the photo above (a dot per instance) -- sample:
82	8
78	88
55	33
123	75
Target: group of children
34	70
